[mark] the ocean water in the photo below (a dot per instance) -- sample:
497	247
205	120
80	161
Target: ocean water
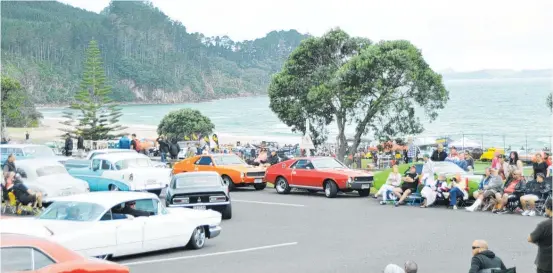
494	112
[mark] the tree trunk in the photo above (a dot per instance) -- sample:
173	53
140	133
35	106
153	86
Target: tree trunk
342	142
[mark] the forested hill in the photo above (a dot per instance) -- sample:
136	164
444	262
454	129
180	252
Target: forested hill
147	56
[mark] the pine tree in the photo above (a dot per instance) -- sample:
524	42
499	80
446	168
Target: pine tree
97	116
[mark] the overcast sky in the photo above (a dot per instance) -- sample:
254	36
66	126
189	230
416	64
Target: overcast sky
460	35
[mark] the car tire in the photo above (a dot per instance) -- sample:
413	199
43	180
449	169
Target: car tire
331	190
228	180
226	214
282	186
198	238
364	193
112	187
259	187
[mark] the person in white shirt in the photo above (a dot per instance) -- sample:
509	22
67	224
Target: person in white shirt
427	174
393	181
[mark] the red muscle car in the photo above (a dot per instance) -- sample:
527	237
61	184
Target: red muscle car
318	174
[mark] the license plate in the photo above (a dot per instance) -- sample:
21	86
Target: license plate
199	207
151	181
258	180
364	187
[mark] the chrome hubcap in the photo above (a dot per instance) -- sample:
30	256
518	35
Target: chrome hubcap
281	185
327	189
114	188
199	236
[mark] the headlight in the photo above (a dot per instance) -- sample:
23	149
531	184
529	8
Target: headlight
350	179
242	175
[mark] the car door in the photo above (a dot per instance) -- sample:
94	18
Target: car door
300	173
129	232
161	230
95	175
205	163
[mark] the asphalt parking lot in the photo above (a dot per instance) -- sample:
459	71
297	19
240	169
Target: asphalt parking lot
303	232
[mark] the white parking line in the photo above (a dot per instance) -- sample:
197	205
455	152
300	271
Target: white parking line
268	203
211	254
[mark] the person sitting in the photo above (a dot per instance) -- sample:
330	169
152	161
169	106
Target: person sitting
494	186
485	180
130	208
483	258
261	158
273	158
24	195
439	154
409	185
533	191
393	181
457	189
430	192
470	162
514	186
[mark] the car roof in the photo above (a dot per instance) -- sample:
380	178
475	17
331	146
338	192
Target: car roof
38	162
119	156
59	253
108	151
106	199
21	145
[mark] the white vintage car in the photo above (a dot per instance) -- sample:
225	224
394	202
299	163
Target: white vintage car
71	163
95	225
50	178
123	172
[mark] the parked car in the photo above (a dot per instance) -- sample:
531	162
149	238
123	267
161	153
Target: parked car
199	190
318	174
489	154
24	151
24	253
234	171
80	163
123	172
95	225
50	178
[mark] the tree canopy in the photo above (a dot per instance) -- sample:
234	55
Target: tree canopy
16	107
185	123
351	81
97	116
147	56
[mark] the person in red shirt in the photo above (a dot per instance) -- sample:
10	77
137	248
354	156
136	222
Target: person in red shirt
513	188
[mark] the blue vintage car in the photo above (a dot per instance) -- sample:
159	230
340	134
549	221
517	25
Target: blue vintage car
123	172
22	151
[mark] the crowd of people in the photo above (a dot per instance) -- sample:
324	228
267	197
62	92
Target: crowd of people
13	183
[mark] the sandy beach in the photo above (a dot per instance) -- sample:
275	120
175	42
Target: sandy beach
49	130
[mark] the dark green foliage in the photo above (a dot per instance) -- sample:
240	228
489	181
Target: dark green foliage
17	108
549	102
185	122
43	45
95	115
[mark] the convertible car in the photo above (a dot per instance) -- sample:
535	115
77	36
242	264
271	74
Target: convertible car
318	174
123	172
97	224
50	178
24	253
234	171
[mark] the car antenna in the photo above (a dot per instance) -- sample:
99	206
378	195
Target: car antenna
49	230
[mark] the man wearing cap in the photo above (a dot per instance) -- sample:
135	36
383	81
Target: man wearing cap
130	208
533	191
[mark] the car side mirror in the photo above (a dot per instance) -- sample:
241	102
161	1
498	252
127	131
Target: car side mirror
95	168
308	168
211	164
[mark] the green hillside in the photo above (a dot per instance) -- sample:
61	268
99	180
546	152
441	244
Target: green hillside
147	56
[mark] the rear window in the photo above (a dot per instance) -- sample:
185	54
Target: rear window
197	181
15	151
50	170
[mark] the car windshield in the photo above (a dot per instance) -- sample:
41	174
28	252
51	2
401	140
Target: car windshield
133	163
227	160
50	170
327	163
197	181
447	167
38	151
72	211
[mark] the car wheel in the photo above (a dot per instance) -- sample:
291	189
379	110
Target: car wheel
364	193
331	190
197	240
227	212
281	186
113	188
229	182
259	187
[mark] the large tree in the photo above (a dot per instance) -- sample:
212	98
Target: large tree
95	116
353	82
183	123
17	109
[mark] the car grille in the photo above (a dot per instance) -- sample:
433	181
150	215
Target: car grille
255	174
363	179
195	198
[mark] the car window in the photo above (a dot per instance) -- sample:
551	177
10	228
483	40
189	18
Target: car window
15	259
50	170
15	151
149	205
96	164
133	163
72	211
38	151
93	155
106	165
300	164
204	160
40	259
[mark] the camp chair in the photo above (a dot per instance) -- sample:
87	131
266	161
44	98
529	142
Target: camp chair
415	198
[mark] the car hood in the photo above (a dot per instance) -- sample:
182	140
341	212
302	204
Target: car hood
41	228
53	184
242	168
346	171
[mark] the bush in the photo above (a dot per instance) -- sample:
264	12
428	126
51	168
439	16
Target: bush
185	122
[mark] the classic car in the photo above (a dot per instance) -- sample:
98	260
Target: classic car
23	151
123	172
318	174
234	171
94	224
199	190
50	178
25	253
489	154
80	163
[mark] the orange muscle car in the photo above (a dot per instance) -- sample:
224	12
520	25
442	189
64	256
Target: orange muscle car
23	253
234	171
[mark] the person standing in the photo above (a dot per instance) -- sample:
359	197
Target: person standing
412	151
439	154
541	236
68	145
80	145
539	166
482	258
124	143
27	136
163	148
9	165
135	143
174	149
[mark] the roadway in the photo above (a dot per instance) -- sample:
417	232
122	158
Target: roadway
303	232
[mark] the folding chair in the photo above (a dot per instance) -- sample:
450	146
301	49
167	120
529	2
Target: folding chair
416	197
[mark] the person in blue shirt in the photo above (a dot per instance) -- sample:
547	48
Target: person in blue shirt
124	143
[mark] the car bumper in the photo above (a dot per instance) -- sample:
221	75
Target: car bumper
359	185
152	187
214	231
251	180
207	205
